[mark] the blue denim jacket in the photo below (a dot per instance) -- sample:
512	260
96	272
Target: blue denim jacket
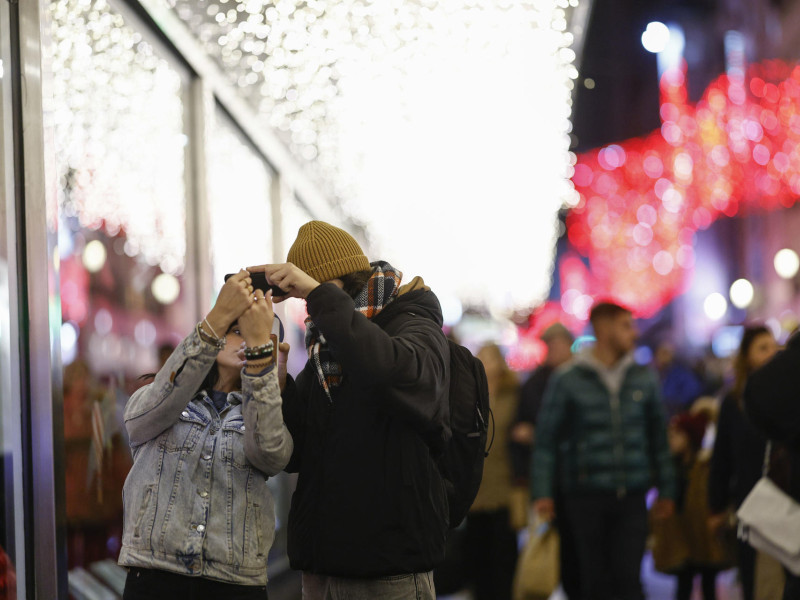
196	499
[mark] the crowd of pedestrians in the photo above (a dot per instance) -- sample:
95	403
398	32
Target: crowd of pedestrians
630	457
618	457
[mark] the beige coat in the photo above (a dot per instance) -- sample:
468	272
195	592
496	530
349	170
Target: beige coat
496	489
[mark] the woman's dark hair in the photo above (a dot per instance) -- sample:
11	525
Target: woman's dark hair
741	369
212	377
353	283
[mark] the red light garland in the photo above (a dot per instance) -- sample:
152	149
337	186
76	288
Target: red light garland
642	200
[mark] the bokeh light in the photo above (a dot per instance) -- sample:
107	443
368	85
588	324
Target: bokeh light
737	148
166	288
69	342
786	263
715	306
655	37
741	293
94	256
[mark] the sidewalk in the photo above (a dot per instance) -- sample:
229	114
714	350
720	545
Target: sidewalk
656	586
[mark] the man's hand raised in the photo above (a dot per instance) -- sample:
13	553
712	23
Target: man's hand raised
296	282
545	508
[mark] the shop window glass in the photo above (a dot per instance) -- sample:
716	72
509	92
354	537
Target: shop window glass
293	215
119	128
239	183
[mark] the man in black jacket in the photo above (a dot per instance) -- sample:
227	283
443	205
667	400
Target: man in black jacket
368	414
772	401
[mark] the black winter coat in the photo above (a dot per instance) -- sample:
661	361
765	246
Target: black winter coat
772	400
370	501
738	457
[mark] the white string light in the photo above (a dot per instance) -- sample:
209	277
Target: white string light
118	119
442	126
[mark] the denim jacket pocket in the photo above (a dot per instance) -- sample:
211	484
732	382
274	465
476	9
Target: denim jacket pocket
233	434
254	544
144	518
183	435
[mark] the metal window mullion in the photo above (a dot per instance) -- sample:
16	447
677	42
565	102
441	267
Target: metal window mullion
198	275
40	319
229	96
10	373
277	197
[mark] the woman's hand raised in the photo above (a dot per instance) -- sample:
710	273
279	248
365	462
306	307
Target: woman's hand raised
255	323
234	298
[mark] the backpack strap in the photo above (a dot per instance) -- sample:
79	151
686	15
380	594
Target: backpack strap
767	456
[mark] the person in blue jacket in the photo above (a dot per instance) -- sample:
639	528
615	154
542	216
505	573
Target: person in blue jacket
603	423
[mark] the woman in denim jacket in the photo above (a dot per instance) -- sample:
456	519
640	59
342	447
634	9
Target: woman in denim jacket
206	434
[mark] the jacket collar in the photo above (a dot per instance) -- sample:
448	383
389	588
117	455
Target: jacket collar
613	376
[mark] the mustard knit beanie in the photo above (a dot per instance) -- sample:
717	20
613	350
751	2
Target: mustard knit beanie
326	252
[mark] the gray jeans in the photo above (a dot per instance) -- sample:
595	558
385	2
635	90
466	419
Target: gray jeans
414	586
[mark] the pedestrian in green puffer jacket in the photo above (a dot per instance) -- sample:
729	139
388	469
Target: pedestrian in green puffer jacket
603	424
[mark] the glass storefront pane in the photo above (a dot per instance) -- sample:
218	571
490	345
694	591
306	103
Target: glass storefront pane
239	186
293	216
120	138
239	181
11	518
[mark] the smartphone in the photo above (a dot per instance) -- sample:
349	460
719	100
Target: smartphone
260	283
277	328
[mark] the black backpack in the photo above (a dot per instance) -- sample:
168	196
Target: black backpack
461	463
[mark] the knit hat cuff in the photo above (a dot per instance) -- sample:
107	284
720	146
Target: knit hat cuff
336	268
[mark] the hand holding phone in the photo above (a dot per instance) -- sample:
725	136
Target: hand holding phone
293	281
260	282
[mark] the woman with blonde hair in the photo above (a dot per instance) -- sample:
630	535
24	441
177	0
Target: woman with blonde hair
491	541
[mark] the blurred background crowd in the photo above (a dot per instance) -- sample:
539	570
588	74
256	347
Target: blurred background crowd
541	155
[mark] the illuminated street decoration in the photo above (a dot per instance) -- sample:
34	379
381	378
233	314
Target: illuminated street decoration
238	201
440	126
641	201
118	132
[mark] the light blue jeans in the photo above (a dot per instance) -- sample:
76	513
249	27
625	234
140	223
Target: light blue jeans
414	586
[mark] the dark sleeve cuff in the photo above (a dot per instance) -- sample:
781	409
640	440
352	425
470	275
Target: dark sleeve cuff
261	373
326	297
316	291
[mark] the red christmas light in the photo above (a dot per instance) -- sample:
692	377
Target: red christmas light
642	200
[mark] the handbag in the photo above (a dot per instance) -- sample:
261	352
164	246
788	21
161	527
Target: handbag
538	569
518	502
670	549
769	520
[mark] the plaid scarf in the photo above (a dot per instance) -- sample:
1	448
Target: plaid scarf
379	291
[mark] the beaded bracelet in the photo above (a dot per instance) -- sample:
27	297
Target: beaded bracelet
259	364
214	341
258	357
262	351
